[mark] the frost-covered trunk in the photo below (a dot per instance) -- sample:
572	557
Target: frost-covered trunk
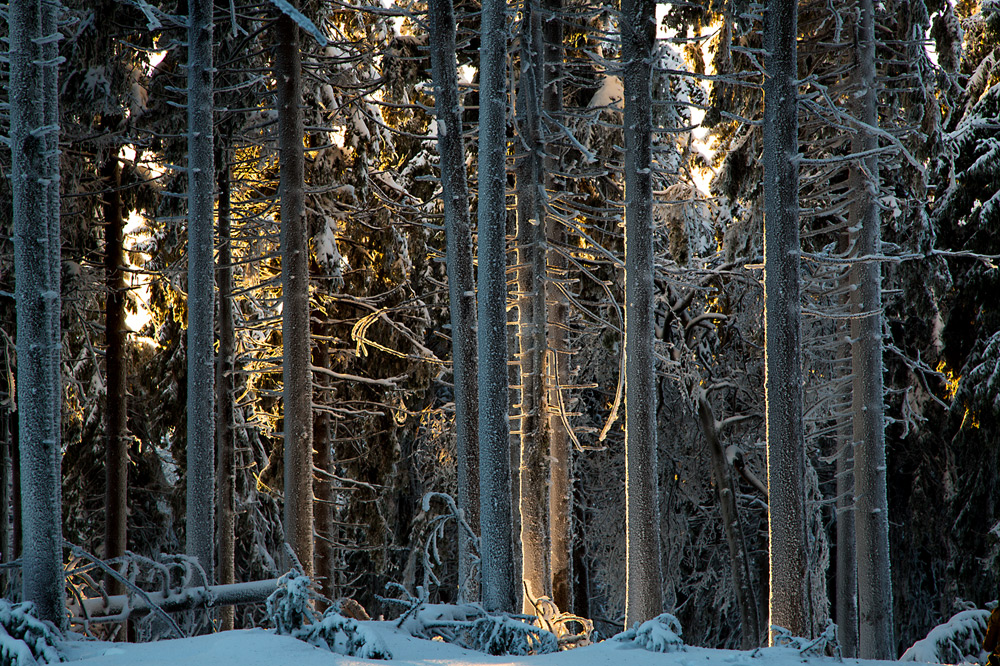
498	592
461	286
225	393
34	141
533	488
557	358
846	614
875	635
783	378
296	373
644	596
115	415
199	528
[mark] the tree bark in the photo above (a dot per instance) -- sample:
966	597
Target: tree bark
116	415
297	377
498	593
225	389
875	635
783	378
644	596
200	532
461	286
557	358
533	495
34	139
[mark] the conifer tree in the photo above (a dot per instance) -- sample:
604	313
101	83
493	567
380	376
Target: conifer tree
783	381
644	597
34	139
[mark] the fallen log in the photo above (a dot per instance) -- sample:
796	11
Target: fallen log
119	607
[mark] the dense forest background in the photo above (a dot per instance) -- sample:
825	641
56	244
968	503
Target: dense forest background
381	377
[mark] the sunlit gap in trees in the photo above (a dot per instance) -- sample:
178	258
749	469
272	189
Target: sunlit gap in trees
137	234
702	141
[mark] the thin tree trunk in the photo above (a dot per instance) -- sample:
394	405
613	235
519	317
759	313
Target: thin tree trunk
557	358
116	416
783	380
34	139
200	524
224	385
875	636
461	285
533	498
498	592
746	600
323	459
644	595
297	377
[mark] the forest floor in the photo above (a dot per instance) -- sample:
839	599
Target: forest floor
259	647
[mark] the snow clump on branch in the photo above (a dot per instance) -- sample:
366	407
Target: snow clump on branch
24	639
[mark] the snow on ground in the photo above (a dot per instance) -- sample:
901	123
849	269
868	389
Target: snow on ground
259	647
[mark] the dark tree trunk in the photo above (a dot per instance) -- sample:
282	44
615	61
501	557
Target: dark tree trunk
225	392
295	328
116	415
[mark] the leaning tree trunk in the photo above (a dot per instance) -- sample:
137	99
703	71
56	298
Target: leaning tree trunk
783	379
34	141
225	392
296	372
116	418
200	524
533	488
746	600
497	550
461	286
875	639
644	596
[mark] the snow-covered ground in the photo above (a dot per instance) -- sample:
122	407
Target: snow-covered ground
258	647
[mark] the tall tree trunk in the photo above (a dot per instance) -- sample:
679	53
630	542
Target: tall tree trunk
533	496
225	389
34	139
557	358
461	286
644	595
297	376
498	593
875	636
200	522
116	416
783	380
